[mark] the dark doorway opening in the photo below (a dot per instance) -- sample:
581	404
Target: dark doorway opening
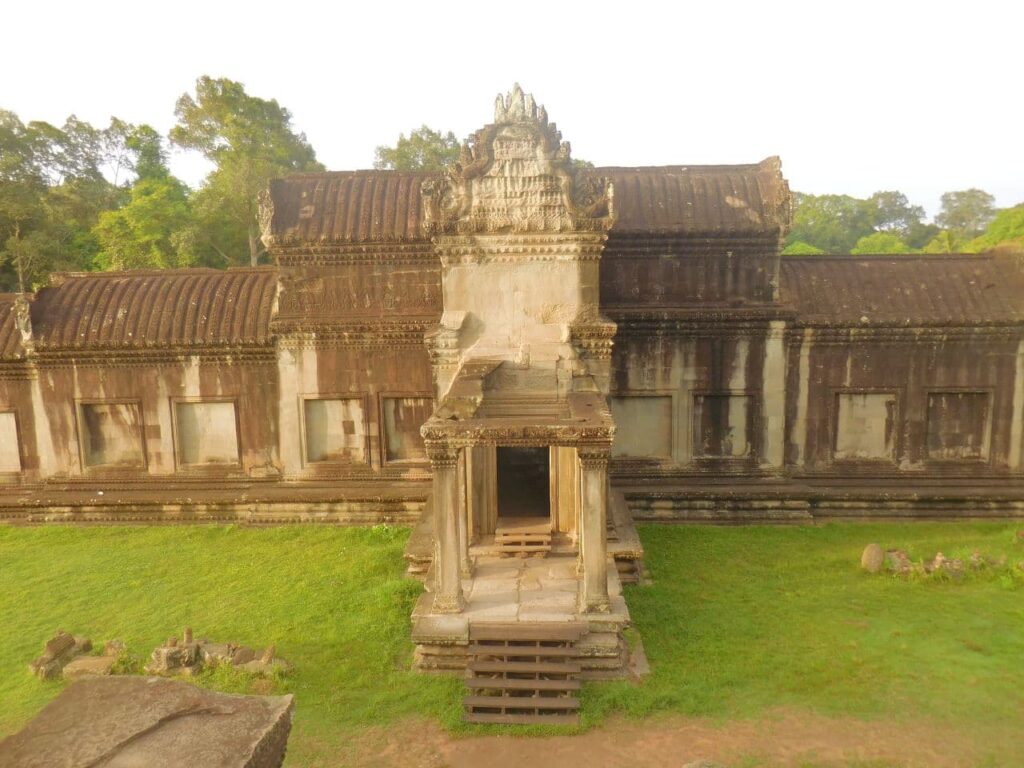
524	486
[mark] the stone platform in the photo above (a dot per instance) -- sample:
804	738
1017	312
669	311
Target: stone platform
534	590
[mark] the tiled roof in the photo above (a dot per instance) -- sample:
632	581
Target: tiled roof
155	308
904	290
349	206
383	206
722	199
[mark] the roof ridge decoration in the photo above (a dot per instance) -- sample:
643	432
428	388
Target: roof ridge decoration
516	175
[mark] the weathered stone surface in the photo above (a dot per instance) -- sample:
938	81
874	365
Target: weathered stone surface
123	722
872	559
84	666
243	656
212	654
57	652
113	648
898	561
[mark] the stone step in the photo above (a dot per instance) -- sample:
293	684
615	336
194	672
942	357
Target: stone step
522	525
520	631
525	667
566	703
564	718
521	650
506	659
517	684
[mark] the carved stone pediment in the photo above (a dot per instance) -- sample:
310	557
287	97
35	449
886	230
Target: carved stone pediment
516	176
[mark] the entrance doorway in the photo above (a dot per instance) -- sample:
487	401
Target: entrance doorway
524	483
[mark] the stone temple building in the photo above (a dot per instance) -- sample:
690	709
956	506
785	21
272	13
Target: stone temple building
520	356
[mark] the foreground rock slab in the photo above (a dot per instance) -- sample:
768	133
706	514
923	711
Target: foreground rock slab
122	722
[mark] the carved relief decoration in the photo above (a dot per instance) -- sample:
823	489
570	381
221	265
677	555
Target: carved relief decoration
516	176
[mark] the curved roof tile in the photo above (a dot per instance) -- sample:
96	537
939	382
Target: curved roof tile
939	289
155	308
385	206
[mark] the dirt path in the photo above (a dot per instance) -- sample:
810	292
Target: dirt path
785	740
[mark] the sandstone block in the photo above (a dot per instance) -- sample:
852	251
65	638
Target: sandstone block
152	722
84	666
872	559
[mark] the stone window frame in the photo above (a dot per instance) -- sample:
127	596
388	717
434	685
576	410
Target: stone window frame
382	447
364	399
106	468
677	415
18	441
833	425
213	469
753	417
988	455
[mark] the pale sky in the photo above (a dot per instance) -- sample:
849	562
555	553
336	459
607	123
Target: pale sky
855	97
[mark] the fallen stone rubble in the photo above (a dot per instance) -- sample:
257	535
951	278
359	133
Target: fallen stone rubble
874	560
70	656
187	656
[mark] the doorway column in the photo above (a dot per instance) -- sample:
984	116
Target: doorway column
593	462
462	519
444	462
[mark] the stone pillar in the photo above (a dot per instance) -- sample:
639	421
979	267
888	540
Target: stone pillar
773	397
465	565
444	462
593	528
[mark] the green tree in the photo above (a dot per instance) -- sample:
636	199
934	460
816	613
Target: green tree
250	141
51	192
880	242
892	212
423	150
1006	229
142	233
946	241
833	223
966	212
800	248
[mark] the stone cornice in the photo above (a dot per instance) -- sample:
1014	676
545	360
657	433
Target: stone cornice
843	335
342	253
537	247
105	357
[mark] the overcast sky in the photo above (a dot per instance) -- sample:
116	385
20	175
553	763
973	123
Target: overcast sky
855	97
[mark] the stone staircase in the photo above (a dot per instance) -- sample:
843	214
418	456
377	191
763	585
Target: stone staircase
523	674
523	536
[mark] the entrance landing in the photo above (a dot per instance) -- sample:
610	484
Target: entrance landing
536	590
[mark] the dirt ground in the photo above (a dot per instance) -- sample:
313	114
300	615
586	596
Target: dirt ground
784	740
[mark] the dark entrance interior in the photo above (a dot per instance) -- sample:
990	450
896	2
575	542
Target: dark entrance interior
524	488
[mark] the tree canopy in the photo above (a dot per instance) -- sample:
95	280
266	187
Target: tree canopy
250	141
423	150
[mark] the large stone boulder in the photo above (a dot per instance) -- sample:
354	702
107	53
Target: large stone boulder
118	722
872	559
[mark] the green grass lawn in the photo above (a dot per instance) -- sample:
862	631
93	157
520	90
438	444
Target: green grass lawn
737	621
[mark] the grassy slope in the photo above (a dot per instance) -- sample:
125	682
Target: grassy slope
738	621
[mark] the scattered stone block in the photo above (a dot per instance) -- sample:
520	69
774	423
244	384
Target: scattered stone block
212	654
113	648
83	666
242	656
872	559
137	721
898	561
57	653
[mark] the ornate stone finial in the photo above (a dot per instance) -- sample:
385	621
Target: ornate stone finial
516	175
516	107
